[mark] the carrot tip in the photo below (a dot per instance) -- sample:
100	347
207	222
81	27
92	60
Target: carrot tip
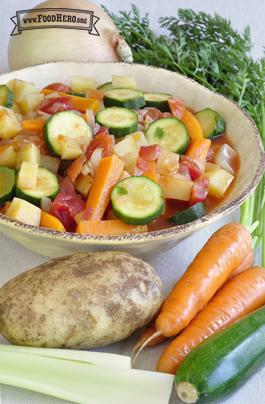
139	346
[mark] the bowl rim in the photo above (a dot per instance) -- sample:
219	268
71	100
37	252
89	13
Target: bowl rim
171	232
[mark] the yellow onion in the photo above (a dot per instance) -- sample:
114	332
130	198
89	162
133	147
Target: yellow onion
58	44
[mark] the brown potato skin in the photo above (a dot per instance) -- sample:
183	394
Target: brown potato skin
80	301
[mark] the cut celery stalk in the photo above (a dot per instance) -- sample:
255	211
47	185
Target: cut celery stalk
83	383
109	360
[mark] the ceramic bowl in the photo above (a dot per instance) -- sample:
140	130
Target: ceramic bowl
241	130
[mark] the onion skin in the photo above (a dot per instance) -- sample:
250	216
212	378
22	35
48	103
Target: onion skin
53	45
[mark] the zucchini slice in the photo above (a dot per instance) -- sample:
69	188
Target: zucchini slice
120	121
223	362
7	184
67	130
105	86
124	97
157	100
169	133
137	200
6	97
212	123
189	215
47	185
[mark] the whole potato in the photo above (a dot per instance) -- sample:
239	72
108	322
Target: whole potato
83	300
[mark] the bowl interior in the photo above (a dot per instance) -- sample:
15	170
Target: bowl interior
241	130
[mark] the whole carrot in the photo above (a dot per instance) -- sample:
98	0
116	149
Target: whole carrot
239	296
223	253
227	250
247	263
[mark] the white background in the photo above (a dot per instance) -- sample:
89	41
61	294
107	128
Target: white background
15	259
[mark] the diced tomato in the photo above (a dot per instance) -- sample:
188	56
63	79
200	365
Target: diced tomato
176	106
142	164
150	153
103	141
67	204
184	170
150	113
56	104
75	168
60	87
193	167
66	186
199	190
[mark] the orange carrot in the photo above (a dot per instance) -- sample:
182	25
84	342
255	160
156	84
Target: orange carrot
107	227
34	125
51	222
80	103
192	124
239	296
247	263
75	168
107	175
198	149
152	171
151	329
221	255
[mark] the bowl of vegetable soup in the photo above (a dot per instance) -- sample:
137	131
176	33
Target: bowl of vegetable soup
97	156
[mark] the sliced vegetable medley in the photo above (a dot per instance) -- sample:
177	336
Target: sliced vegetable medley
108	159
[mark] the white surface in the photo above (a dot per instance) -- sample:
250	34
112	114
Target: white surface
15	259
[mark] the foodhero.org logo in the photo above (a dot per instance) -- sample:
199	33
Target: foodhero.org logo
41	18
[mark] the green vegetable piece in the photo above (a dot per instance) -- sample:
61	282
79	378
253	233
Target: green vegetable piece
170	133
211	122
124	97
6	97
7	184
120	121
47	186
140	201
223	362
189	215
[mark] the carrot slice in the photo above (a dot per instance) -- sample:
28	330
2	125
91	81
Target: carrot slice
75	168
198	149
80	103
51	222
34	125
107	175
239	296
192	124
108	227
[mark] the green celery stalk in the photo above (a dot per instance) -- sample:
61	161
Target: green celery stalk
82	382
108	360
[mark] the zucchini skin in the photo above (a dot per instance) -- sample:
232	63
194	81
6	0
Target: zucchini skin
162	105
131	217
225	361
219	126
10	192
36	200
188	215
135	100
9	96
105	86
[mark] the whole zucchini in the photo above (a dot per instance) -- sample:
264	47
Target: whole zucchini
223	362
